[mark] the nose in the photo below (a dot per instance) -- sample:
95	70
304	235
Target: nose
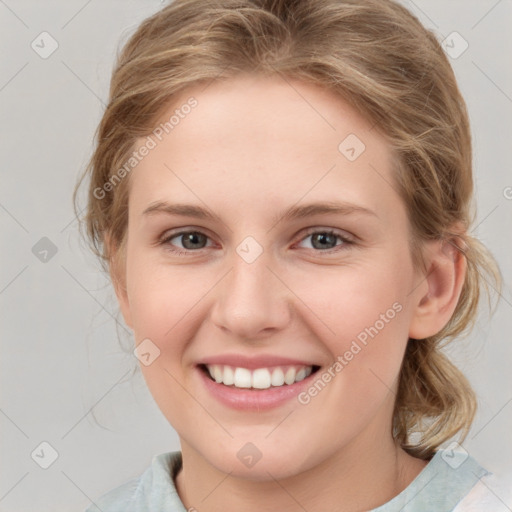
251	301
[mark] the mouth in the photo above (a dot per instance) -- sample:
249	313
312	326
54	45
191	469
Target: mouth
257	378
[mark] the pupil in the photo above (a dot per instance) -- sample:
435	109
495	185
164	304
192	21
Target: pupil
323	237
192	238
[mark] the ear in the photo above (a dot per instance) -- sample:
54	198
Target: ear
438	295
117	269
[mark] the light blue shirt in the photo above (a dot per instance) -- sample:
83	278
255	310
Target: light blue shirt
441	485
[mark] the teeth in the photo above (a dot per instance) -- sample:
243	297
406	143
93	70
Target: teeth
301	375
217	374
277	377
261	378
228	376
289	376
242	378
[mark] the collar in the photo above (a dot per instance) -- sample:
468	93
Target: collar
441	485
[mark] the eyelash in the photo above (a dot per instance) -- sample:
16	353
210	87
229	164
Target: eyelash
346	242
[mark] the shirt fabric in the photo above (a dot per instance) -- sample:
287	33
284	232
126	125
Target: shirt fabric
452	481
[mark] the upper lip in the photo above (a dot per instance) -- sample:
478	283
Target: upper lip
251	363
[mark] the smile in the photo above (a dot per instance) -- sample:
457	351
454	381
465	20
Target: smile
258	378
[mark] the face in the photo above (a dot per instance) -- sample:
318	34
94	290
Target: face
266	236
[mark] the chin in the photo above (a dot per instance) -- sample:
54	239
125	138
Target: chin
246	461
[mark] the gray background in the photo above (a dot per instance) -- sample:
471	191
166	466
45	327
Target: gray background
65	378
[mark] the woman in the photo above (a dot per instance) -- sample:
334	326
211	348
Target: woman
281	193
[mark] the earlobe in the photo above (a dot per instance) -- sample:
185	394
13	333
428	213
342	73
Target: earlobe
446	270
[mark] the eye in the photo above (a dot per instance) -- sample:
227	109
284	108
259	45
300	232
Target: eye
322	240
325	240
190	241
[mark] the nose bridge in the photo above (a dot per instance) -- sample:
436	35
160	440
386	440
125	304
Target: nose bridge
250	299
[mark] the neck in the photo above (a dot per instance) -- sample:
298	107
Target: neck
351	479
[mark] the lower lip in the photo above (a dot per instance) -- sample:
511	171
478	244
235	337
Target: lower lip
253	399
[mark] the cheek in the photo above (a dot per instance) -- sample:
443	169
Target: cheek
362	318
350	299
162	297
164	306
371	329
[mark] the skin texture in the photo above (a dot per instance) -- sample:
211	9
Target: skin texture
252	148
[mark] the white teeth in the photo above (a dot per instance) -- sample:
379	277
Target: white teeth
301	375
289	376
261	378
229	376
277	377
242	378
217	373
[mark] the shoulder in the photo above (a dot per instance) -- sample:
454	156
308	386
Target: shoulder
492	493
453	481
154	489
117	499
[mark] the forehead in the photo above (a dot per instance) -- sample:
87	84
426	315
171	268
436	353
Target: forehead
275	111
265	137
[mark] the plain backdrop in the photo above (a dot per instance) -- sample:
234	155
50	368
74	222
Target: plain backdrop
65	378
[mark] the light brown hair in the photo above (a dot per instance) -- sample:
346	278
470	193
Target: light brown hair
379	58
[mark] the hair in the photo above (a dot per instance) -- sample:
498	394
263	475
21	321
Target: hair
376	56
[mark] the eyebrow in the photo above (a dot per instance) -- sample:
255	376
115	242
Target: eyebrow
295	212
